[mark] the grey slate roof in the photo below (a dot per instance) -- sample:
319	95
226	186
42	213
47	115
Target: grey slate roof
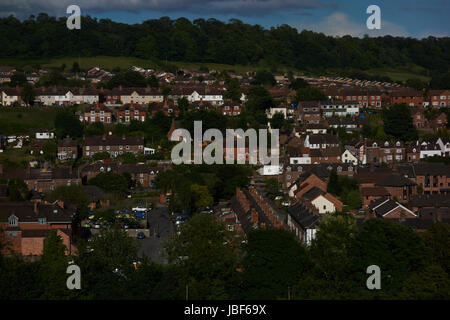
302	216
395	180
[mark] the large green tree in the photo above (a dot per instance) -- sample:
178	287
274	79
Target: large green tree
274	262
207	257
398	122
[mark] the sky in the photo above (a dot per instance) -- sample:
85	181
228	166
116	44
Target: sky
406	18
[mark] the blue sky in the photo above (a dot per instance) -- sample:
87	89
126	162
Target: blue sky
398	17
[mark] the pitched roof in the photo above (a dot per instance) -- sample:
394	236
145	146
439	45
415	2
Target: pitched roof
323	139
383	206
395	180
374	191
313	193
110	140
25	212
429	200
303	216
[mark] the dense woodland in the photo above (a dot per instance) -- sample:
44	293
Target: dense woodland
211	40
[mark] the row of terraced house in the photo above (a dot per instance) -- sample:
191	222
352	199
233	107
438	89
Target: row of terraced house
62	96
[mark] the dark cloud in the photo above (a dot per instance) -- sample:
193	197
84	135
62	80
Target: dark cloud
24	8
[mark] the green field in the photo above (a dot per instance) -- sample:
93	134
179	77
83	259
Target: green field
20	120
401	73
110	63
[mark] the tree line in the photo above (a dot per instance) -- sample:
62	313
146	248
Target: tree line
211	40
209	263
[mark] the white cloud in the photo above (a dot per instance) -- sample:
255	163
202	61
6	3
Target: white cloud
339	24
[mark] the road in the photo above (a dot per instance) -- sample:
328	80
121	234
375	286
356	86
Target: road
160	229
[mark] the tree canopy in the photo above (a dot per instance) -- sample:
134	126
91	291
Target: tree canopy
211	40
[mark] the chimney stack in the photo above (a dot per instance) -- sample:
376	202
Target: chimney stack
254	216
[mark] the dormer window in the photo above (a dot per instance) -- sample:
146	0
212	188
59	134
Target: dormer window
42	220
339	169
350	168
374	145
386	144
288	168
398	144
13	221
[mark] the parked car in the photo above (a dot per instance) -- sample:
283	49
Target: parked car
140	235
179	220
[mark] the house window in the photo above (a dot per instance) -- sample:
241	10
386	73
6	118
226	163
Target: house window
42	220
13	221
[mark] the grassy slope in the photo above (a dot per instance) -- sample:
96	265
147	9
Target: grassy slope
21	120
400	73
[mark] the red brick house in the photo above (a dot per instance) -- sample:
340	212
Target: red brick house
387	208
370	194
26	226
398	186
114	145
140	173
44	180
168	108
328	155
67	149
253	210
231	108
433	178
367	98
439	98
408	96
131	111
97	113
438	121
378	152
309	112
419	119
